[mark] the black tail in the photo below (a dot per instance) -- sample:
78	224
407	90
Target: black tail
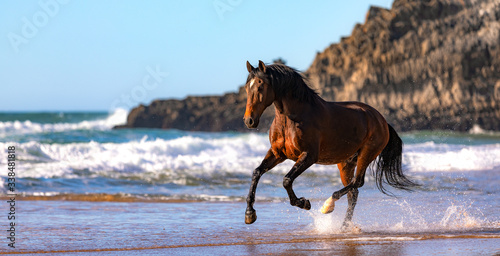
389	165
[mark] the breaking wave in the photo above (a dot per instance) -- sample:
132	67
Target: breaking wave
16	127
190	154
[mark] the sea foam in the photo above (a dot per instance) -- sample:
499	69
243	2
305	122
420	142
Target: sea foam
430	156
175	154
206	156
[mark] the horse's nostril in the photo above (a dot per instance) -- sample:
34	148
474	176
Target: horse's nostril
249	122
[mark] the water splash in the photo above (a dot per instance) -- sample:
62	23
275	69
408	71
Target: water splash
326	223
405	218
459	217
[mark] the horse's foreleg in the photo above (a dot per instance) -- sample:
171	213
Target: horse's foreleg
270	161
305	161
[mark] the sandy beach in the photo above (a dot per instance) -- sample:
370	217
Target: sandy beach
217	228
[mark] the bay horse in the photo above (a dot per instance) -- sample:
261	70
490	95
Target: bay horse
309	130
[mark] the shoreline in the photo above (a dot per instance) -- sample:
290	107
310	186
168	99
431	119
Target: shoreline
309	244
217	228
130	198
303	241
100	197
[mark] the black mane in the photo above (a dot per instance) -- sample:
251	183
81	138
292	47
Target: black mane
285	80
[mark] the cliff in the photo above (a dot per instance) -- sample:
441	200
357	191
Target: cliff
424	64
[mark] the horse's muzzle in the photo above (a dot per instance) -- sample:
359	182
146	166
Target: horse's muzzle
251	123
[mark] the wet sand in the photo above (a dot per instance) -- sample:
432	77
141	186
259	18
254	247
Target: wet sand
100	227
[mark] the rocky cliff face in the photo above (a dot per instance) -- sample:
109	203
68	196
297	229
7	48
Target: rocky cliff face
424	64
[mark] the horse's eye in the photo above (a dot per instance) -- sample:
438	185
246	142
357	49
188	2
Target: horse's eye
260	81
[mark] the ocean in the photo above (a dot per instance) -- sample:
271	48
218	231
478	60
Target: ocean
68	157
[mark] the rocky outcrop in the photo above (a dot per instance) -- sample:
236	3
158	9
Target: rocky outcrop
208	113
424	64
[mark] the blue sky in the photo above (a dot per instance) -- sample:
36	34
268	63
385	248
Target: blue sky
63	55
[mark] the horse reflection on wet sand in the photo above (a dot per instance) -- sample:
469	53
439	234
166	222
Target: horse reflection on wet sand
309	130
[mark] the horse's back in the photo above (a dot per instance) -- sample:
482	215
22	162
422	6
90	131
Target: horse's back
371	115
347	126
375	125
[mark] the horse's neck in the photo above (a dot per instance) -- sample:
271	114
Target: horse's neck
291	108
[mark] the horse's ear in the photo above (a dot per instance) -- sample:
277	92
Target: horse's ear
262	66
249	67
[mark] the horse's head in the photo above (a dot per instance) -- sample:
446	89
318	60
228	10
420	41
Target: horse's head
260	94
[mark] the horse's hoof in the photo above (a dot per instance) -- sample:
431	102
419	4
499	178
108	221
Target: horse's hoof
328	206
304	204
250	217
307	205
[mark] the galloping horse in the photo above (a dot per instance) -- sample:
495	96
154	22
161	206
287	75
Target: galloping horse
308	130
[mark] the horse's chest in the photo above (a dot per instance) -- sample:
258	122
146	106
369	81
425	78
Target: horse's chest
285	143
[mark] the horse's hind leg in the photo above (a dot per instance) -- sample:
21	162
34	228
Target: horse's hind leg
352	198
346	169
352	195
366	156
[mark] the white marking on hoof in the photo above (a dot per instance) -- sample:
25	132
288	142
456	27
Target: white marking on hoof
328	206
